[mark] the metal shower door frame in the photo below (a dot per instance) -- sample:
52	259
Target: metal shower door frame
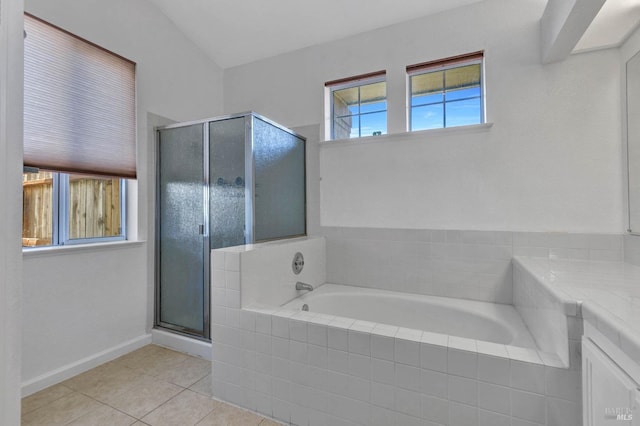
206	333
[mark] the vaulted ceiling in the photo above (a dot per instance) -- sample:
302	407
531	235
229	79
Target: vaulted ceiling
234	32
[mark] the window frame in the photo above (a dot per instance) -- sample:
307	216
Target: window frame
475	58
64	210
60	214
114	68
351	82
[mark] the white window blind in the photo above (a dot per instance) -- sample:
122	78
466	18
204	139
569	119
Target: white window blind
79	104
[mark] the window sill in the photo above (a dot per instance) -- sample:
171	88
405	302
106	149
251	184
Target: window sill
474	128
78	248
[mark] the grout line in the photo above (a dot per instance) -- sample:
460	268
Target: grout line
50	402
125	368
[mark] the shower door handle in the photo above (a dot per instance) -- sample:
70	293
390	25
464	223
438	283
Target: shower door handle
201	229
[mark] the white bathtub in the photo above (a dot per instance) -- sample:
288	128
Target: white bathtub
490	322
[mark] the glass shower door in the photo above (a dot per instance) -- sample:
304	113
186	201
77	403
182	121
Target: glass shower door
182	299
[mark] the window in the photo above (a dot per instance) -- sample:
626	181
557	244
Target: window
61	209
446	93
79	138
358	106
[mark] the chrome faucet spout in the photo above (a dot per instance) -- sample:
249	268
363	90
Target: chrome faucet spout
304	286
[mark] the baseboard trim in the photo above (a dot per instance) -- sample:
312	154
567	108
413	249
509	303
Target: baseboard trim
181	343
63	373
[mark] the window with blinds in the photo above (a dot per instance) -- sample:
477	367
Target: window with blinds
446	92
79	138
79	104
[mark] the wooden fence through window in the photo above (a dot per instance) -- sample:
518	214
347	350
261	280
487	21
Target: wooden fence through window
94	208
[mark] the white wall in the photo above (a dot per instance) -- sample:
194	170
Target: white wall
627	51
551	161
79	304
11	70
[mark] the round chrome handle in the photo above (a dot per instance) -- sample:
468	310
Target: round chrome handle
298	263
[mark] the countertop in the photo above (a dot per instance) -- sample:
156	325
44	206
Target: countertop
606	294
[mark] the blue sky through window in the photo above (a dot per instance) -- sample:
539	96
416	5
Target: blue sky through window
460	107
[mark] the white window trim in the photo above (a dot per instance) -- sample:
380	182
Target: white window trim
60	217
436	68
63	209
356	82
44	251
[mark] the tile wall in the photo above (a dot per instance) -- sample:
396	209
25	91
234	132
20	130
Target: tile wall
266	270
543	313
632	249
311	369
455	263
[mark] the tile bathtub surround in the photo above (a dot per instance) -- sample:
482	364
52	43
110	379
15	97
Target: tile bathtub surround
428	377
313	369
632	249
454	263
266	271
150	386
543	312
606	294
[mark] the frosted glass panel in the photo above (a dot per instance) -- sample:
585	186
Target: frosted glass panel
181	212
279	159
227	182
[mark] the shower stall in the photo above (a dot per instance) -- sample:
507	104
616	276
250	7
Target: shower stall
221	182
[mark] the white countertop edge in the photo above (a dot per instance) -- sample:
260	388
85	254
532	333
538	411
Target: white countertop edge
622	334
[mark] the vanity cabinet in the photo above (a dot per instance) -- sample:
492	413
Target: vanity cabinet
610	395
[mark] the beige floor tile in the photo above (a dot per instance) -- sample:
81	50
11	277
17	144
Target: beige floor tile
107	384
61	411
186	373
44	397
203	386
94	377
103	416
268	422
111	391
159	360
228	415
136	358
143	399
184	409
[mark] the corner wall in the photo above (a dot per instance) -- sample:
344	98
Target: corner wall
11	82
550	162
627	51
82	306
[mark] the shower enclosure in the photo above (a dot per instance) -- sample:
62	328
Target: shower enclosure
221	182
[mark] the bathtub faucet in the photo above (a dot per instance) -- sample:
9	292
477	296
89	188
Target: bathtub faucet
304	286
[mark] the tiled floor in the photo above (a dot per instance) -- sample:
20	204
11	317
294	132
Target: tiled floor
151	386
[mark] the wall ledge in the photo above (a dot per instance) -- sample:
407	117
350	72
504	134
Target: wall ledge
415	135
79	248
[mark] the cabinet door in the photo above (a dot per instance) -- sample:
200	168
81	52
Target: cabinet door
609	395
